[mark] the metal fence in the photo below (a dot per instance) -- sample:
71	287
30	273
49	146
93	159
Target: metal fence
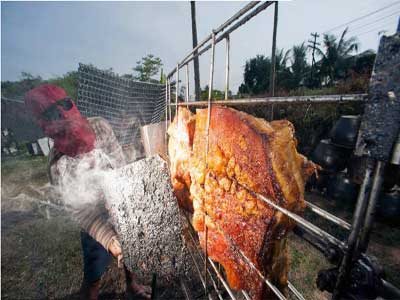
127	104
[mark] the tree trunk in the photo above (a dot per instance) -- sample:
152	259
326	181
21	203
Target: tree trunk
196	60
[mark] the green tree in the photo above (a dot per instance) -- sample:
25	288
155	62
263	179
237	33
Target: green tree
257	73
336	59
216	94
69	82
17	89
299	67
148	67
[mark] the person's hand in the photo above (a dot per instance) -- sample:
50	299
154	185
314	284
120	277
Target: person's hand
115	248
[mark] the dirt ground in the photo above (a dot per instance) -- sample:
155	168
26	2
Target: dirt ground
41	252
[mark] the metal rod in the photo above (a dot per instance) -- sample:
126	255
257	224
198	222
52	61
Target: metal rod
200	276
186	291
358	217
246	296
285	100
328	216
252	14
321	233
187	83
169	101
227	39
177	88
240	13
295	291
249	262
276	291
225	284
190	231
166	112
211	82
373	198
210	87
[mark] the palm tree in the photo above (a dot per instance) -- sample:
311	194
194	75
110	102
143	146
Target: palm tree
283	74
300	68
335	60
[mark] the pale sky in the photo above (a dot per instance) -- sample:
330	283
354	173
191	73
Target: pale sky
51	38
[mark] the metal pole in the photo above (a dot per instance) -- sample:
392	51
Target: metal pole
358	217
285	100
328	216
187	83
241	22
373	198
240	13
166	112
177	87
273	56
169	100
227	67
210	86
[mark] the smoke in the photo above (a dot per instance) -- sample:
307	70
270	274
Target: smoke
83	182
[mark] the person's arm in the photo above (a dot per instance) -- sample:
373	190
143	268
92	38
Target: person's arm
94	220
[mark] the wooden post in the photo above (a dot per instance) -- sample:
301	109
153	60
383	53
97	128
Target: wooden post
196	59
273	56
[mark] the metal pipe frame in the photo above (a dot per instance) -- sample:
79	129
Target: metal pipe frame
349	256
373	199
284	100
227	66
252	14
321	235
241	12
187	83
177	87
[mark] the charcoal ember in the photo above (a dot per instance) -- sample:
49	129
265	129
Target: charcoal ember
147	219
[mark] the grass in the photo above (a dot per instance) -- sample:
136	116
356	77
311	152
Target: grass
40	247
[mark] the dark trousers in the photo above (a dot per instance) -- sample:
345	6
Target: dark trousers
96	259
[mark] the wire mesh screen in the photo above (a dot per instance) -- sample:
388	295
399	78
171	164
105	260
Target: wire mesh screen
127	104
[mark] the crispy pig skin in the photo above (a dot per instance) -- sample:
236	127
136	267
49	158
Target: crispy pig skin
181	132
246	153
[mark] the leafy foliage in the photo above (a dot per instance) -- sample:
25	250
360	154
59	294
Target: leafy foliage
336	60
20	87
216	94
148	67
69	82
338	68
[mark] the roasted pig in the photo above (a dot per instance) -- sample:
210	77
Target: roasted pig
181	132
245	154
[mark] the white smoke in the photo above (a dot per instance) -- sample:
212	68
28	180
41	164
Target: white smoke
84	181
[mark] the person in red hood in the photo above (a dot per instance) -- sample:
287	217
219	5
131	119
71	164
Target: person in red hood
75	138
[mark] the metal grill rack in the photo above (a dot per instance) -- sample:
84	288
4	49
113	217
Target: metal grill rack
127	104
345	254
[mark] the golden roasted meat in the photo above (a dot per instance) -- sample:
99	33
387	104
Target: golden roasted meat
181	133
246	153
